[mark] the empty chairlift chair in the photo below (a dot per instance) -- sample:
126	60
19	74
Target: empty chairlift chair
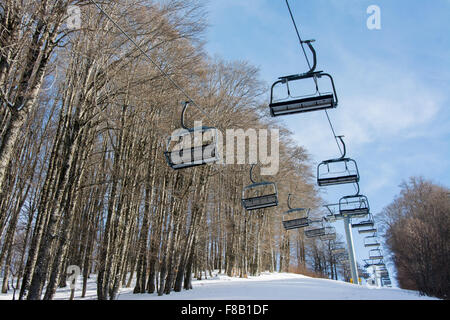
315	229
373	263
298	217
368	230
323	232
338	248
384	274
371	241
190	147
368	223
375	254
330	234
291	102
259	195
356	206
337	171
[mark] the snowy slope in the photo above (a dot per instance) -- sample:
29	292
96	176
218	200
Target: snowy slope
268	286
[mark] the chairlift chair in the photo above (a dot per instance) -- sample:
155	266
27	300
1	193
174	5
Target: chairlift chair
293	104
324	232
259	195
375	254
364	224
314	233
369	230
330	234
373	263
387	283
371	241
185	151
337	171
337	246
382	268
299	217
338	250
356	206
384	274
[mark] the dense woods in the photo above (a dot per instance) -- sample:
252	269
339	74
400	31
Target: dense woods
417	231
83	178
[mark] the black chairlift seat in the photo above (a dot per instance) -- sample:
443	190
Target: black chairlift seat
337	251
356	206
330	234
292	104
369	223
363	224
370	230
337	171
194	156
375	254
314	233
265	200
185	153
371	241
335	178
296	223
308	103
373	263
299	217
259	202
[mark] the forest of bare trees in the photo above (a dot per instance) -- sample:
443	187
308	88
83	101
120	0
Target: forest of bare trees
83	179
417	231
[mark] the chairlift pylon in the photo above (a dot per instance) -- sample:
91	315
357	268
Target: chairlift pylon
293	104
259	195
185	151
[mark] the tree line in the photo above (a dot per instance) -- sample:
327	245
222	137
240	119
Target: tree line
416	228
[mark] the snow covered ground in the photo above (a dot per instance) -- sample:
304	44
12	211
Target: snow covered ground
268	286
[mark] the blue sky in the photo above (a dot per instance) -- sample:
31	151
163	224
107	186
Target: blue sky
393	84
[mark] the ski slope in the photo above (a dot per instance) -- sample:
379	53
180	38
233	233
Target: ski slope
268	286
